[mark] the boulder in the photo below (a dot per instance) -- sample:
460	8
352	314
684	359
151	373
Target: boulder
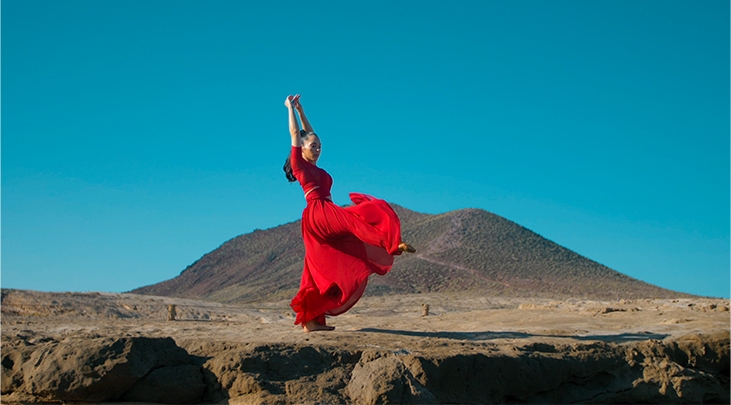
95	370
386	380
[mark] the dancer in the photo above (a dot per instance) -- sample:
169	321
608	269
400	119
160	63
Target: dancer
343	246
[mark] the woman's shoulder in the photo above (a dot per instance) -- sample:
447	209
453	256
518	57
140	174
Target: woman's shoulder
296	152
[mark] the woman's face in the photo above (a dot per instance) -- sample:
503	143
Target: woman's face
311	148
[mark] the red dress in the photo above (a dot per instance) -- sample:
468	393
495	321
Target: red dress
343	246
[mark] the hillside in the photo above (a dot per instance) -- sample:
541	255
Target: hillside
470	251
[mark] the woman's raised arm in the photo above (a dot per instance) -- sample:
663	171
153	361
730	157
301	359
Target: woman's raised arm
305	122
294	127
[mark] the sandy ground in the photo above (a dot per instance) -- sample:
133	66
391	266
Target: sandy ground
393	323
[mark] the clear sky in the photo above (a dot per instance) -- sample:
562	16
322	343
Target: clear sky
138	136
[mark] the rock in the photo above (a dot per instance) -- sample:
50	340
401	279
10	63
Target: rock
386	380
169	385
12	367
88	370
688	369
281	374
684	370
607	310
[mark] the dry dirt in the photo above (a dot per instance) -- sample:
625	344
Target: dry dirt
394	327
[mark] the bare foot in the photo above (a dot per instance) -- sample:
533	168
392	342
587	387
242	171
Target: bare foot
405	247
313	326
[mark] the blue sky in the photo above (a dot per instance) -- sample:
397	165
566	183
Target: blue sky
138	136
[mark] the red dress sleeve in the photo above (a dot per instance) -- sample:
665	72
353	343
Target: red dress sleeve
296	159
305	172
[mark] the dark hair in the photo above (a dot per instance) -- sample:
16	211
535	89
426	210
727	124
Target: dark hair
288	170
288	163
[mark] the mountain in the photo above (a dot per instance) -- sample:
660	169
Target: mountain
470	251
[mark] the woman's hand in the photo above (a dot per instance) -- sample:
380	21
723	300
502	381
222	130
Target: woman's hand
298	106
289	101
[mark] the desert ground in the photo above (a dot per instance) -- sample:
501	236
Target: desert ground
395	327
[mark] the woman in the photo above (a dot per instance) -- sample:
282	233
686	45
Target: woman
343	246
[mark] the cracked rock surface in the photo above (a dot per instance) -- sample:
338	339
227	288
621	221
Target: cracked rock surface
59	348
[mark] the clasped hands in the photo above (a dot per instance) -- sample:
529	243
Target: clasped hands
293	102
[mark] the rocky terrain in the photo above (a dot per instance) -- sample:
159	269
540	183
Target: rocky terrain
103	347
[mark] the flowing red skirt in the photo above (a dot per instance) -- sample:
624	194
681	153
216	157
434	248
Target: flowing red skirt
343	246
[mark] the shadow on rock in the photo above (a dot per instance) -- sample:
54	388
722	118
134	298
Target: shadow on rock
477	336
